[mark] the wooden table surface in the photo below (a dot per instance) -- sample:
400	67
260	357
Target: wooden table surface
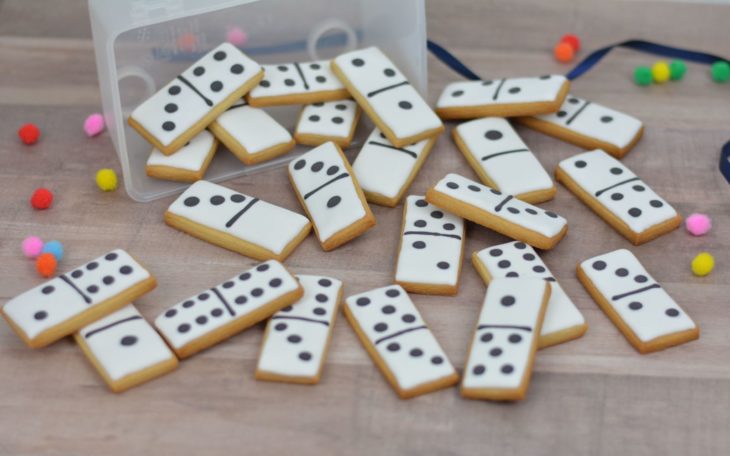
593	396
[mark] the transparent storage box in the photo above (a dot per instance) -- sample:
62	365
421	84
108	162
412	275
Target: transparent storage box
141	45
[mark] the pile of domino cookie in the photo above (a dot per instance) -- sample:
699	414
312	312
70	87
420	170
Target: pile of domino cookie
219	98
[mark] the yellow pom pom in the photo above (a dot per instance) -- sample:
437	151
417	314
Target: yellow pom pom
660	72
703	264
106	179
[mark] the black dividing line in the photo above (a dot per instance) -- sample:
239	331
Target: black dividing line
523	328
487	157
640	290
499	87
71	284
577	112
430	233
384	89
396	334
341	176
103	328
405	151
192	87
236	106
241	212
301	75
223	300
599	192
504	201
284	317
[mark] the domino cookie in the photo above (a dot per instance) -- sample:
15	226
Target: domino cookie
389	326
497	211
298	336
590	126
218	313
502	97
385	172
563	321
237	222
431	249
125	349
190	102
69	302
502	351
390	101
334	121
251	134
186	165
328	191
639	307
618	196
502	160
297	83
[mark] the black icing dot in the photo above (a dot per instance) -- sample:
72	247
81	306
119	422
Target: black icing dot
419	245
495	352
639	188
507	301
580	164
274	283
216	86
111	256
486	337
504	264
319	105
300	164
183	328
237	68
634	212
171	313
507	369
515	338
48	289
380	327
203	296
617	196
108	280
561	114
220	55
199	71
421	203
478	369
315	66
635	305
77	273
408	318
127	341
217	200
191	201
449	226
531	211
174	90
389	72
616	171
337	120
495	252
573	100
264	83
256	292
201	320
332	170
513	210
320	79
656	203
514	90
262	267
314	118
40	315
319	311
528	256
294	339
493	135
362	302
388	309
550	279
672	312
125	270
228	284
324	282
437	214
599	265
170	107
305	356
189	303
538	269
280	326
551	214
520	245
91	266
622	272
442	265
404	105
282	68
416	352
287	309
244	276
457	93
340	107
216	312
240	300
641	278
392	293
168	126
474	188
452	185
437	360
92	289
393	347
606	119
545	76
512	274
358	62
321	297
487	82
334	201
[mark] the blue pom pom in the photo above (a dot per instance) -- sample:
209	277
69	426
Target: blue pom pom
55	248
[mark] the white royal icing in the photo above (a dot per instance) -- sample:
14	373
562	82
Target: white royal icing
253	128
382	168
190	157
517	259
503	156
327	189
60	299
595	121
234	299
501	91
394	327
176	107
333	119
505	336
123	343
618	189
299	78
645	307
504	206
387	91
431	245
297	335
245	217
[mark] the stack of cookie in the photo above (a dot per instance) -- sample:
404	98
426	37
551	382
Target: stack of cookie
525	308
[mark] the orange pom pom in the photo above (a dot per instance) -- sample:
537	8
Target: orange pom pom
564	52
46	264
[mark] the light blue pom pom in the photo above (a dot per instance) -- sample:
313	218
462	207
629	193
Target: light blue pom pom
55	248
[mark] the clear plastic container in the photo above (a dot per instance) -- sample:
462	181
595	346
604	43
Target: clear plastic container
142	44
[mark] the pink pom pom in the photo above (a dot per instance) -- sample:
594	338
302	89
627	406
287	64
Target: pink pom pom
94	124
32	246
237	36
698	224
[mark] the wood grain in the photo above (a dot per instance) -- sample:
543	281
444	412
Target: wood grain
593	396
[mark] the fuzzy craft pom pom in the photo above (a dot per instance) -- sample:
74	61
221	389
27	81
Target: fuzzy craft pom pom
698	224
94	125
46	264
32	246
41	199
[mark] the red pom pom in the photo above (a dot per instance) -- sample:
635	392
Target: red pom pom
46	264
42	199
572	40
29	133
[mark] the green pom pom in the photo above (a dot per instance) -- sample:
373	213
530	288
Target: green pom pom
720	71
642	75
677	69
